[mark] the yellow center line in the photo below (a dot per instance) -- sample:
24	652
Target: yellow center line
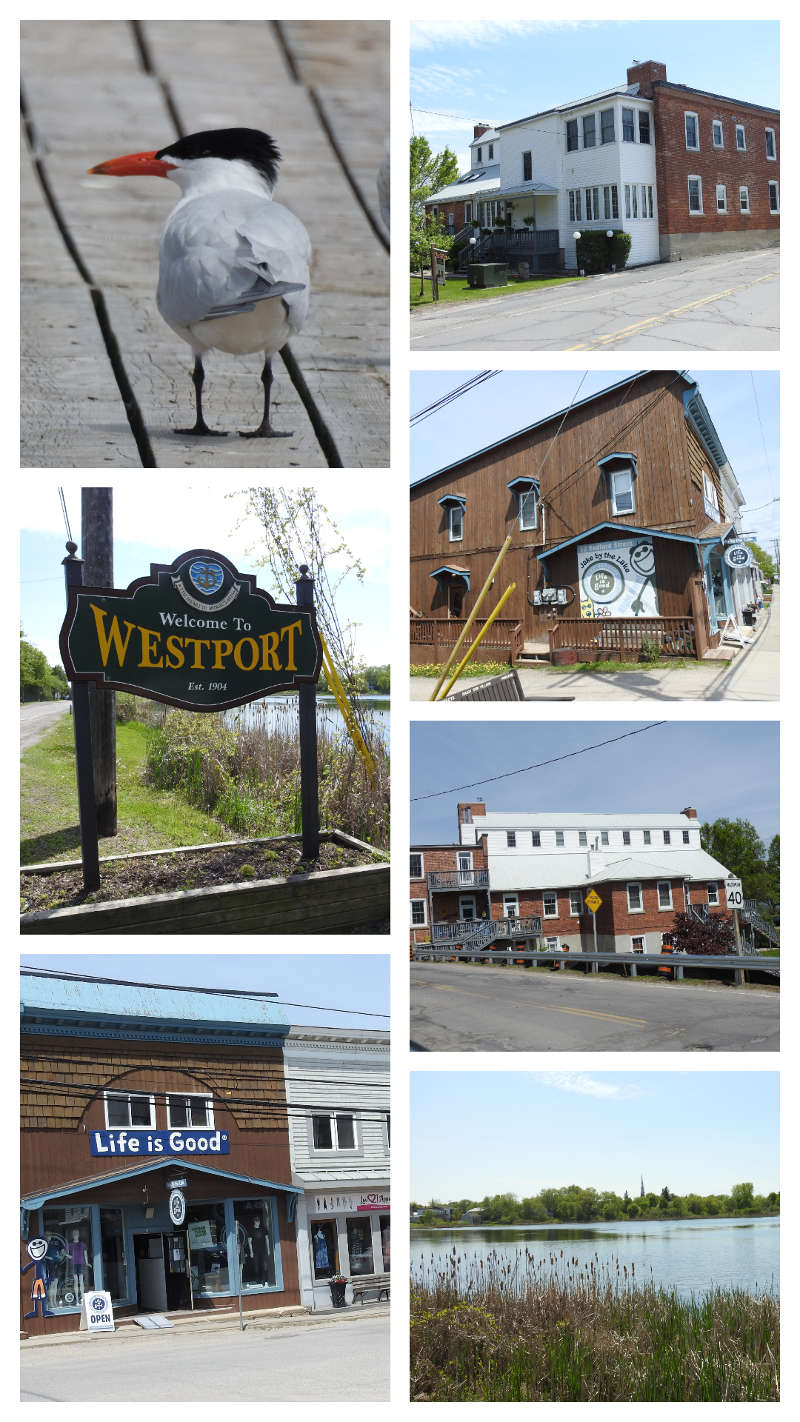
665	315
571	1011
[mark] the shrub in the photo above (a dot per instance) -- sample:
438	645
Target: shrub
650	650
598	253
714	936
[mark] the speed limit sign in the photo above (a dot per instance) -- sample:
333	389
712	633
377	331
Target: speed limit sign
733	893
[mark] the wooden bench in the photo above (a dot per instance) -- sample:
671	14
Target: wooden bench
377	1281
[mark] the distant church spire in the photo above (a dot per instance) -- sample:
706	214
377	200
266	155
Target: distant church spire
641	1190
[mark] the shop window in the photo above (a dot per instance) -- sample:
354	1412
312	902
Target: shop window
334	1132
386	1252
208	1249
124	1108
256	1243
112	1243
69	1262
635	904
190	1110
324	1248
416	869
359	1245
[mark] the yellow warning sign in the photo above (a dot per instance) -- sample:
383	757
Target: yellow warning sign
593	901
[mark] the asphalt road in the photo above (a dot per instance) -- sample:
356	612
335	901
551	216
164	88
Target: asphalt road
720	303
459	1007
345	1361
36	718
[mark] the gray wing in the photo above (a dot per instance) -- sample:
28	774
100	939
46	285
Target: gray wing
220	254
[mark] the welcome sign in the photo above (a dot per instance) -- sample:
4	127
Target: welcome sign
618	579
196	633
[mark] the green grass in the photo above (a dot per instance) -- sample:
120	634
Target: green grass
434	669
555	1331
456	289
663	664
147	818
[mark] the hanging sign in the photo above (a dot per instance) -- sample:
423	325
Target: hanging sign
618	579
196	633
738	555
97	1313
177	1208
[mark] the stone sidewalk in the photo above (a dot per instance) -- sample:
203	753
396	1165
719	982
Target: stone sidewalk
753	675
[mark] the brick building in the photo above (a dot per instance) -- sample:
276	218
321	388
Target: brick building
682	171
129	1096
541	866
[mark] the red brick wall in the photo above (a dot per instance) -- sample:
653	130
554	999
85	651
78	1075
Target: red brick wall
674	163
443	859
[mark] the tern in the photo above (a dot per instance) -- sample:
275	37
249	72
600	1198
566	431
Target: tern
233	264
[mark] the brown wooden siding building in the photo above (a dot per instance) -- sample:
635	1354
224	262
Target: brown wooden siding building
615	511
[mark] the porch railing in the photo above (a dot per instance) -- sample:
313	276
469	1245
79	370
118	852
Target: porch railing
624	635
478	933
531	239
441	633
458	879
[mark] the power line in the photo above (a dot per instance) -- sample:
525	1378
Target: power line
262	1109
468	385
523	770
70	539
248	994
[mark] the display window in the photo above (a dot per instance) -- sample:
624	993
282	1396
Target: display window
359	1245
385	1221
68	1263
112	1243
324	1248
255	1234
208	1247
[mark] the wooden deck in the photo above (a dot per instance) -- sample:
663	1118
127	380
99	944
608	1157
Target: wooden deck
104	381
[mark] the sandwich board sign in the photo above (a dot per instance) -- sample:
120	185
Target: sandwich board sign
97	1313
197	634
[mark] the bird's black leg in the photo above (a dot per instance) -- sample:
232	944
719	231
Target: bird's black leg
200	427
265	429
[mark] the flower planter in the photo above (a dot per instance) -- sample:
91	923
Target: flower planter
338	1288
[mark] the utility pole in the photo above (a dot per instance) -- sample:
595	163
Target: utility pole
97	546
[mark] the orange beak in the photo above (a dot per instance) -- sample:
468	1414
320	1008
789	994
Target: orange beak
132	165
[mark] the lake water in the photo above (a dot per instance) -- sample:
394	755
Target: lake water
688	1255
281	713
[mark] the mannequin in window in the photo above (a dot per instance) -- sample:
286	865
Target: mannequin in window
261	1251
321	1260
78	1264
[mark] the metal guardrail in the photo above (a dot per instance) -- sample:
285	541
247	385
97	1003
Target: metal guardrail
678	961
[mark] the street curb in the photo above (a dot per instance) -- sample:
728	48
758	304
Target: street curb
260	1322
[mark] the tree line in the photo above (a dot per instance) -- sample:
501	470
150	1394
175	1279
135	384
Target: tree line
581	1204
37	680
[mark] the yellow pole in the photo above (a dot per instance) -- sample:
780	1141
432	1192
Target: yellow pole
342	702
498	560
478	639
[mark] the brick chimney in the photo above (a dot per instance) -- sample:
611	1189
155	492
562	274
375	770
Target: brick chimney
646	74
467	811
479	129
690	813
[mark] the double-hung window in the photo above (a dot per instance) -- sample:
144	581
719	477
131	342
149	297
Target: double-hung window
622	499
582	841
769	139
774	204
607	126
610	202
644	126
572	135
510	905
511	839
664	888
686	837
744	199
419	913
559	839
722	198
692	131
456	520
589	131
527	167
635	904
415	867
129	1108
626	836
717	137
645	836
695	194
336	1131
741	144
536	839
528	508
712	891
667	836
550	904
628	126
575	903
491	152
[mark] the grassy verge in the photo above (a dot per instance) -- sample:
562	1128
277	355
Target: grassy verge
565	1333
456	289
147	818
471	669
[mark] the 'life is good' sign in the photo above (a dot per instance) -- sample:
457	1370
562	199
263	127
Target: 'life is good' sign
124	1142
197	634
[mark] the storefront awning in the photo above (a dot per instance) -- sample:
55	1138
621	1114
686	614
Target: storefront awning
133	1172
453	572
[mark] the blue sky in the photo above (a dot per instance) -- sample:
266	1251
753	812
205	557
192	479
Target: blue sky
690	1130
723	768
355	982
743	404
157	517
466	71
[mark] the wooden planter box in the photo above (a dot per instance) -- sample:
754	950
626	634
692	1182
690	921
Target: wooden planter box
564	656
330	900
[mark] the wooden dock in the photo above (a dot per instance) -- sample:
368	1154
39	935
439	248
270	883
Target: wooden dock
105	382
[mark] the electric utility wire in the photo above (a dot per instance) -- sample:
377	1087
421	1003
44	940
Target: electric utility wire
265	1109
70	539
468	385
523	770
248	994
144	1059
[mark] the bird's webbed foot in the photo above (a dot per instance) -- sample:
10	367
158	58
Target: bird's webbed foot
265	431
201	428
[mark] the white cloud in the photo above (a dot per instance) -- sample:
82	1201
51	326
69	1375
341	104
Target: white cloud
430	34
582	1084
433	78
